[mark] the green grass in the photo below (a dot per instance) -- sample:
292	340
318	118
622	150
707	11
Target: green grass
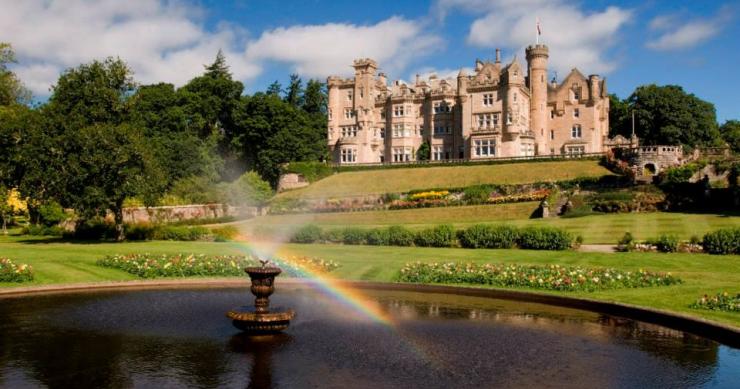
406	179
57	262
595	229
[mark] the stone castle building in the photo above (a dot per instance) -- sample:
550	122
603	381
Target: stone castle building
498	111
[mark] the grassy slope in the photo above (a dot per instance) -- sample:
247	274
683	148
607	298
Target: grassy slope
57	262
594	229
401	180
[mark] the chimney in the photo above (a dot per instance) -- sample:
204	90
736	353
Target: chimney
498	55
417	80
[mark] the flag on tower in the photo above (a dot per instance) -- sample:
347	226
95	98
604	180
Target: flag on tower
539	31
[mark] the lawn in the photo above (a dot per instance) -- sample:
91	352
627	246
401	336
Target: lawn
596	229
402	180
59	262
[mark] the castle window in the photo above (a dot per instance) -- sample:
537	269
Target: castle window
515	97
382	132
485	148
382	115
575	150
576	92
508	118
552	134
401	154
349	95
552	114
436	153
349	131
488	100
495	120
575	132
349	113
362	92
442	107
527	149
328	112
398	110
576	113
349	155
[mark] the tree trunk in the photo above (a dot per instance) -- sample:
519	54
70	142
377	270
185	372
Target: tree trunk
118	216
5	226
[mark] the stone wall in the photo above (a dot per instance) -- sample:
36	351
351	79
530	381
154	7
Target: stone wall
167	214
651	160
291	181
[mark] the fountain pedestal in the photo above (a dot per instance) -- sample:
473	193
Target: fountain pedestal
260	319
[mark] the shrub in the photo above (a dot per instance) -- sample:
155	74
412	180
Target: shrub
626	239
51	214
249	189
307	234
95	229
41	230
378	237
334	235
225	233
544	238
439	236
476	194
666	243
400	236
487	236
722	241
140	231
181	233
11	272
352	235
311	171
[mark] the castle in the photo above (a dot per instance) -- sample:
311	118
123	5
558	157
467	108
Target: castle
498	111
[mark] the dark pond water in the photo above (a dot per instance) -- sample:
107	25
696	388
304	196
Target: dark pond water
181	338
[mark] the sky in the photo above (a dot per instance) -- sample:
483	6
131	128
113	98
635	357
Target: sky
689	43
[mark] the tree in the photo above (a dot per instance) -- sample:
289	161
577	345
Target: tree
669	115
620	120
294	94
275	89
6	211
424	152
250	190
12	90
219	68
314	98
104	165
731	134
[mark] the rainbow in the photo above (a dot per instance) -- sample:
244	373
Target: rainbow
321	281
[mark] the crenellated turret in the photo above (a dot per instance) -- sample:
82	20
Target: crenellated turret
537	56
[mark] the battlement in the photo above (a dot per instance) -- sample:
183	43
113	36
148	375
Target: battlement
365	62
533	51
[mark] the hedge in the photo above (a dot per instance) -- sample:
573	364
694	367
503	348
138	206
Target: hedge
722	241
544	238
488	236
439	236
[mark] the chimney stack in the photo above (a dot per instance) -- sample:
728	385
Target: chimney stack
498	55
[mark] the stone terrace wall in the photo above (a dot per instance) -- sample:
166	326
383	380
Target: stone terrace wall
175	213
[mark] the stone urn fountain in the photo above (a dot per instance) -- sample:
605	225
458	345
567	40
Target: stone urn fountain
260	319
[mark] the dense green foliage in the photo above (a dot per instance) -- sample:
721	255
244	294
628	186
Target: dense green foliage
438	236
488	236
544	238
311	171
722	241
550	277
13	272
666	115
12	90
730	131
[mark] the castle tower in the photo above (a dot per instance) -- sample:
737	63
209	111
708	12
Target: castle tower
537	56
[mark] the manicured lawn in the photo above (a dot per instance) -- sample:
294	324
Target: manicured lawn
403	180
60	262
606	229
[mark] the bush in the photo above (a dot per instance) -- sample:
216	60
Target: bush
96	229
626	239
439	236
666	243
723	241
181	233
12	272
378	237
225	233
311	171
334	235
544	238
51	214
400	236
249	189
352	235
307	234
476	194
140	231
487	236
41	230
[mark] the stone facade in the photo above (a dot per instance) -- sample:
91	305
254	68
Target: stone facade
498	111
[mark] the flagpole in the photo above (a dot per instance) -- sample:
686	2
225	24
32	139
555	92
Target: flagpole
537	31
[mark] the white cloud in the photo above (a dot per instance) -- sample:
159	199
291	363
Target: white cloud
322	50
161	41
681	35
576	38
442	74
166	40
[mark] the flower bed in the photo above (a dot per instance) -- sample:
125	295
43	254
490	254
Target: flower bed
12	272
537	195
430	195
549	277
189	265
719	302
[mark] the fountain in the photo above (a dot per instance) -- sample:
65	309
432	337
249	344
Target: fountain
259	319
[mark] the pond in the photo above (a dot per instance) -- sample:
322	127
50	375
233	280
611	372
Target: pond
181	337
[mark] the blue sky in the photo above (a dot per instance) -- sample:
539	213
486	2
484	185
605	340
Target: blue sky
689	43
